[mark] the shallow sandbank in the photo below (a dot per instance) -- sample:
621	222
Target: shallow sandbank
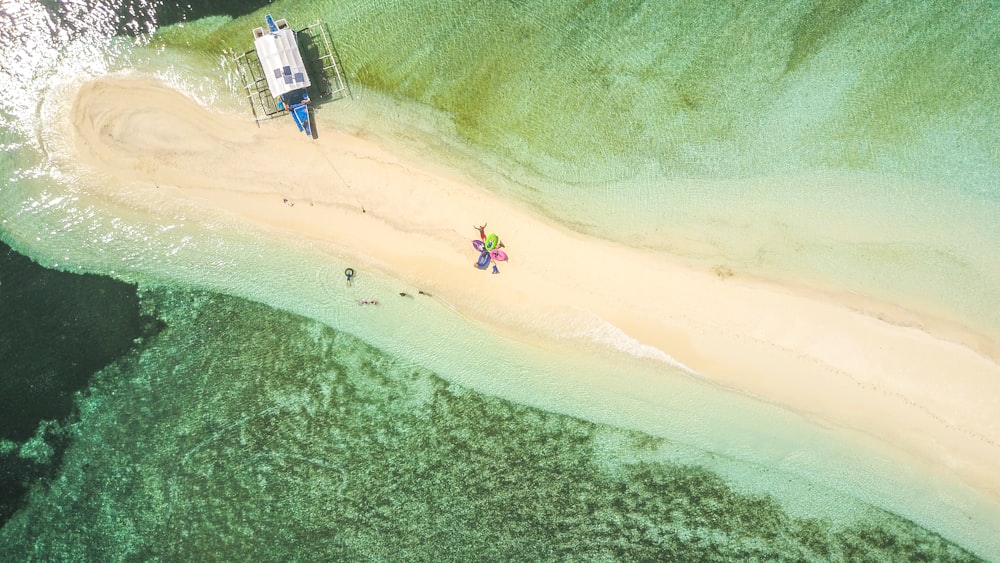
151	148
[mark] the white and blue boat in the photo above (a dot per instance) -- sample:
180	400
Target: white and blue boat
276	75
286	74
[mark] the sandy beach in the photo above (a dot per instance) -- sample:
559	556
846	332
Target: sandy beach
929	390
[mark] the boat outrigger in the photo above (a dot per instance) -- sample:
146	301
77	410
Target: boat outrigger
276	75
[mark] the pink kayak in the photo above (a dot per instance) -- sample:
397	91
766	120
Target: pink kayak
496	254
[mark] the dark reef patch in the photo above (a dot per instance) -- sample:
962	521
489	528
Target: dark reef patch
56	330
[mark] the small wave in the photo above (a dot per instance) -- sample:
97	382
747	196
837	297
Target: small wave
606	333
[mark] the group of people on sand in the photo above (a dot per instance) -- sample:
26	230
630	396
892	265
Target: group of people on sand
482	237
349	272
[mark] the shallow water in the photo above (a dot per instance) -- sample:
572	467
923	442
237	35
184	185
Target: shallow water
793	150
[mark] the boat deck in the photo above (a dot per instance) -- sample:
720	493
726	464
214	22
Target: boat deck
317	53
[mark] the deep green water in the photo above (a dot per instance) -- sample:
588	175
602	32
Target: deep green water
57	329
848	143
57	323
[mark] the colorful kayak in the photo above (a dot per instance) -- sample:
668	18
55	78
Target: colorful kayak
498	255
479	245
492	241
484	260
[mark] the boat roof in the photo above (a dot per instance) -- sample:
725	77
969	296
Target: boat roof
282	63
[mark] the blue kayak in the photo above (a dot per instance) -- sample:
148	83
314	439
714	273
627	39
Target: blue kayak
484	260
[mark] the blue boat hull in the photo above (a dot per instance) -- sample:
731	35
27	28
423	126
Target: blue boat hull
300	113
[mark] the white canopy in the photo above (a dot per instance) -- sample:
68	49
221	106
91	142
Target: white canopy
279	56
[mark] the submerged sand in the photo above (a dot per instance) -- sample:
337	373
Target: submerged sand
934	394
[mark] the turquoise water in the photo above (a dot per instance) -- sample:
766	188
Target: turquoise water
793	140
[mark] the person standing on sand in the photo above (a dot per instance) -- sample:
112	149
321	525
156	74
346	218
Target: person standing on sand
495	270
482	231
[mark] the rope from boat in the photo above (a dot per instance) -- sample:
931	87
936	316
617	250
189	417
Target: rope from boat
342	180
